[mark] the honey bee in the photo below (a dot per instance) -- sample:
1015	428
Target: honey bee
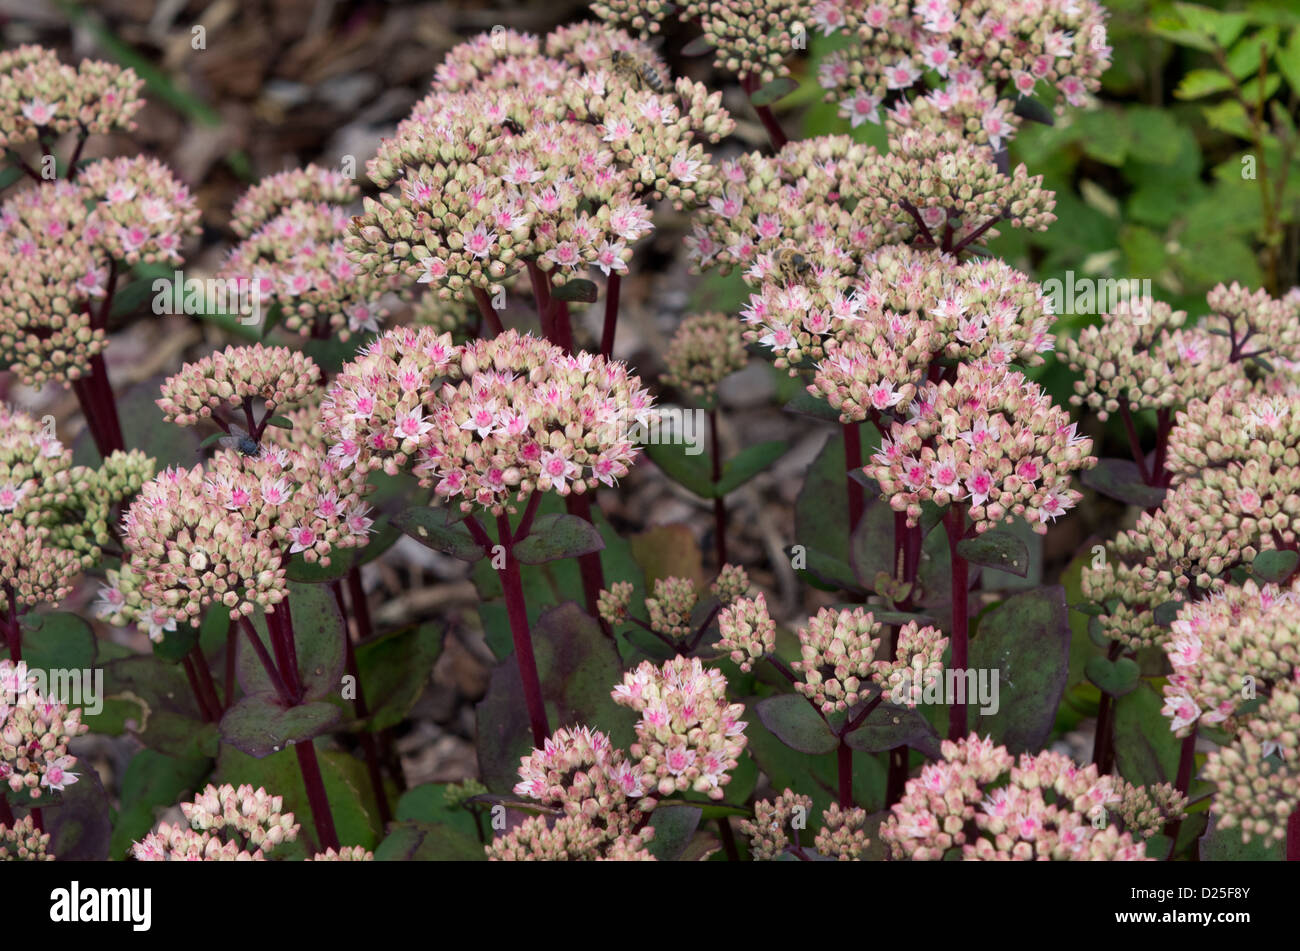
512	126
639	74
790	266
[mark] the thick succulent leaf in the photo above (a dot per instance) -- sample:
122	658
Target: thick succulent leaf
793	720
259	726
438	529
1026	640
553	537
1119	479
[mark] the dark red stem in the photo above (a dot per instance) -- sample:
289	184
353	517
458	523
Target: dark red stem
852	462
955	522
517	610
321	816
719	502
491	319
612	288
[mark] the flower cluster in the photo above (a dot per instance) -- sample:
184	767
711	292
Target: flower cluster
541	156
1255	324
567	839
293	228
1023	45
841	835
580	773
237	376
705	350
838	663
515	414
348	853
34	735
767	830
196	537
688	737
23	842
1041	807
40	95
56	516
1142	357
990	439
142	213
748	631
1147	810
224	823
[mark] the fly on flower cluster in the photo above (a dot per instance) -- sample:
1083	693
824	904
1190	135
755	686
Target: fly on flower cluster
240	440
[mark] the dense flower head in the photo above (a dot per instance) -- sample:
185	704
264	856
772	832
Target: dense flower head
513	415
1257	781
1218	642
23	842
1234	426
275	193
40	95
748	631
196	537
224	824
841	835
807	199
580	773
920	306
670	607
754	38
348	853
705	350
34	735
963	106
521	155
55	516
1255	324
1147	810
277	377
643	16
1143	357
838	665
731	585
1124	581
48	286
767	833
572	838
956	189
1042	806
1023	46
142	213
296	260
992	440
688	737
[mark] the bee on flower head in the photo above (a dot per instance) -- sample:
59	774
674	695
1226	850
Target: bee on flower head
513	127
638	73
790	266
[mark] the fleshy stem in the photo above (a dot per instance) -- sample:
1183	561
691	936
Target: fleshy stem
1103	746
13	626
368	745
491	319
1182	782
517	610
1293	837
93	390
853	462
955	522
612	288
321	816
774	131
906	550
1135	446
719	501
728	839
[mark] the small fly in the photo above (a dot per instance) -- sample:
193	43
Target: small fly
241	441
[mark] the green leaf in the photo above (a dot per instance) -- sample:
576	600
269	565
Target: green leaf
1115	677
1027	107
438	529
1225	845
168	719
691	471
1165	613
578	667
553	537
347	787
1119	479
318	636
805	404
576	289
1274	566
996	549
394	669
261	726
427	803
1197	83
80	827
1146	750
1288	60
776	89
1222	26
428	842
821	516
674	827
794	721
748	463
890	726
280	422
1026	639
57	640
152	782
317	572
